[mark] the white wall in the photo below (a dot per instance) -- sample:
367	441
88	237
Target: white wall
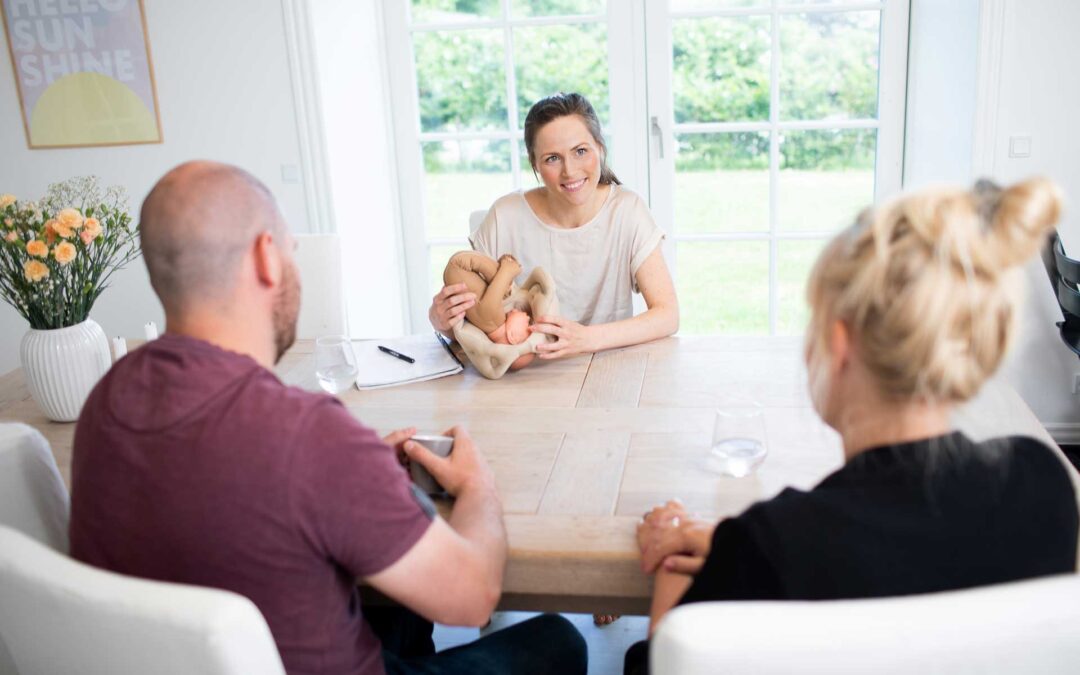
359	153
964	104
224	91
942	72
1039	96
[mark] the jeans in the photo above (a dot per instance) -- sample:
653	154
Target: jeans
636	661
543	644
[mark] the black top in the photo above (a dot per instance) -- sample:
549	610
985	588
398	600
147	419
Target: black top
932	515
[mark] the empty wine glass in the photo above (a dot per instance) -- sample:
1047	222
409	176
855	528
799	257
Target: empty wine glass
335	363
738	443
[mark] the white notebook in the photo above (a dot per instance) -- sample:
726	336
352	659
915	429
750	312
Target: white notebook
378	369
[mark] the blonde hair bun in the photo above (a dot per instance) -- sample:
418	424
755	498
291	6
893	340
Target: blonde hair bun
924	284
1021	219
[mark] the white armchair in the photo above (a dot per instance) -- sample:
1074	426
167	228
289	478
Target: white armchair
1023	627
33	498
61	616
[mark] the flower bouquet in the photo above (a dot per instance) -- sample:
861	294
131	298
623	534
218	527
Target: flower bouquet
56	258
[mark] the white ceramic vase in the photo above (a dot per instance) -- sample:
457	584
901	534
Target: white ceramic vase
61	366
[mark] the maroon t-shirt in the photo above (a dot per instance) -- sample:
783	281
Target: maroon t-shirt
196	465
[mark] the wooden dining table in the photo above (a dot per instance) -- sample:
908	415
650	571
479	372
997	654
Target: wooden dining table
583	446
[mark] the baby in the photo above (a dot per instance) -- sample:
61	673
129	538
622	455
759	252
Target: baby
492	282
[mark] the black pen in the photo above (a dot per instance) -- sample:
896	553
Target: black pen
396	355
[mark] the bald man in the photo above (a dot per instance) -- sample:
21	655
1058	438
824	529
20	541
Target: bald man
194	464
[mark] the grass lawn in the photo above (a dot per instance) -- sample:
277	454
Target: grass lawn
723	287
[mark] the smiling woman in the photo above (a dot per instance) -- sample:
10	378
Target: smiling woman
597	239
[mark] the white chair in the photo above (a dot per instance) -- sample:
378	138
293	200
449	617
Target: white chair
1023	627
61	616
33	498
322	298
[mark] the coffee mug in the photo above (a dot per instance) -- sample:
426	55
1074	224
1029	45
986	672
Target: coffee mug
439	445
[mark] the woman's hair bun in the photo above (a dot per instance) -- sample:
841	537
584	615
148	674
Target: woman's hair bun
1017	218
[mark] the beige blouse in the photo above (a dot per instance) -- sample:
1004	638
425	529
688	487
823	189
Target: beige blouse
594	265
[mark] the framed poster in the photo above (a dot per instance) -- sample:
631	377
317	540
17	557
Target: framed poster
83	72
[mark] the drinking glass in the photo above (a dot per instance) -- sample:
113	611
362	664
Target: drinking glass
738	443
335	363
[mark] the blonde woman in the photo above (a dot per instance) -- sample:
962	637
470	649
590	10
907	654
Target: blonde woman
912	310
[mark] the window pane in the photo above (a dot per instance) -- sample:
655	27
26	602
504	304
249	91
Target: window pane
826	178
443	11
555	7
461	80
723	287
691	5
795	260
550	59
461	177
722	183
821	2
438	256
721	69
829	65
526	179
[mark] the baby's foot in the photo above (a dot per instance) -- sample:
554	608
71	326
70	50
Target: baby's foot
511	261
604	619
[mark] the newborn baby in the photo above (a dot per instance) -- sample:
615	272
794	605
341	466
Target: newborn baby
492	282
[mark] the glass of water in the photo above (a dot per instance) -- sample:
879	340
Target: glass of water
738	443
335	363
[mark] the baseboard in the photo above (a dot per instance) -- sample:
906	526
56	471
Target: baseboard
1064	433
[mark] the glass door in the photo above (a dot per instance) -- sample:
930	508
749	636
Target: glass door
754	128
773	123
463	76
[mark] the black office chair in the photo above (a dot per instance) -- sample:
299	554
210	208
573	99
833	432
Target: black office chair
1064	273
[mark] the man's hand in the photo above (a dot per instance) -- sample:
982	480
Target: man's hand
396	440
464	468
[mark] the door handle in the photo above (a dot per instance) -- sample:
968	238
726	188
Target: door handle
659	133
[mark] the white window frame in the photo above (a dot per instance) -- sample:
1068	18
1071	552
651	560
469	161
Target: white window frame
892	86
639	81
625	90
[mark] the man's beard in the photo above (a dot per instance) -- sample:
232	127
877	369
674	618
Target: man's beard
286	311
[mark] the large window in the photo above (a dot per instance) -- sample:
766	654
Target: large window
755	128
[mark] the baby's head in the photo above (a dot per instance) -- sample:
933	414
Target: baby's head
517	326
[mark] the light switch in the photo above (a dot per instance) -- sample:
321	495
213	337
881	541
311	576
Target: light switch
290	173
1020	146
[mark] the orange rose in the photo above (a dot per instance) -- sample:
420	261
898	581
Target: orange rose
50	231
35	271
6	201
11	236
63	230
70	218
64	252
93	227
37	248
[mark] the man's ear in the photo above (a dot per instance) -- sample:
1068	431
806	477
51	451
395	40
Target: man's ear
267	260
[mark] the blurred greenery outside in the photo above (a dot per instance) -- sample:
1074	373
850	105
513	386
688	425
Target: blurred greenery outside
828	71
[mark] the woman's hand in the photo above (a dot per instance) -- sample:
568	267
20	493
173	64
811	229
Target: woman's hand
668	536
449	305
572	337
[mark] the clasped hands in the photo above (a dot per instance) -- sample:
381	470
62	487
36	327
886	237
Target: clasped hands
672	540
